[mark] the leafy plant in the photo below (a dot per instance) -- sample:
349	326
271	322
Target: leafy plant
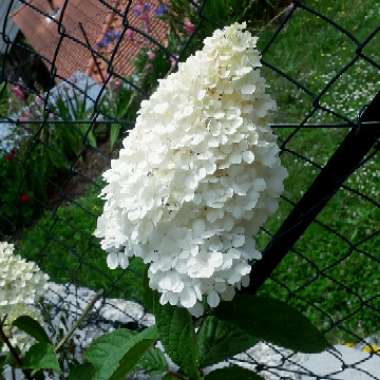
120	104
231	328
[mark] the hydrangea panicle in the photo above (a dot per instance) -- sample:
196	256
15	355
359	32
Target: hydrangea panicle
197	177
21	285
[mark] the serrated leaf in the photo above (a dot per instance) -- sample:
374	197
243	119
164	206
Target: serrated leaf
114	354
176	332
219	340
233	373
32	328
41	356
85	371
273	321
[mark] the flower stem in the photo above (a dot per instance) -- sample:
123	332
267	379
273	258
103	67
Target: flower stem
77	323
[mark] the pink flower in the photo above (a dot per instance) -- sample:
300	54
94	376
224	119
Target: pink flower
173	63
130	35
18	92
145	17
151	55
188	26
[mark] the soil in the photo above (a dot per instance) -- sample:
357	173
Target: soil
87	169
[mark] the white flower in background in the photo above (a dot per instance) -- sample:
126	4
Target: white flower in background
17	337
21	285
197	176
21	282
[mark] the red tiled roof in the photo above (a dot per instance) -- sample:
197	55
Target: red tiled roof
97	19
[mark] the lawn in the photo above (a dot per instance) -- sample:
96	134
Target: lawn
340	278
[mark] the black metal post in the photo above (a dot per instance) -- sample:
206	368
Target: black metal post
343	162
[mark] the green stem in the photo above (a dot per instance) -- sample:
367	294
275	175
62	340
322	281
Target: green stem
77	323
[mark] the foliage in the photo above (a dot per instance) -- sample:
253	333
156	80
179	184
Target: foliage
176	332
15	205
119	104
48	150
118	353
113	355
4	99
41	356
218	339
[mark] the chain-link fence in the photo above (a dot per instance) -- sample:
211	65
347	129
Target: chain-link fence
73	75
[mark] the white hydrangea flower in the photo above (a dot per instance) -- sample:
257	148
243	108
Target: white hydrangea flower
197	176
17	337
21	284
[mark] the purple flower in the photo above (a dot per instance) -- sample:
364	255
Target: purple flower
137	10
160	10
146	7
104	41
110	36
113	34
116	34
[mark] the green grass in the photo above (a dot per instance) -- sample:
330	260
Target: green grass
62	243
312	52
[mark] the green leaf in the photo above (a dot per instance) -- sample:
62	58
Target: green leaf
153	362
114	354
91	138
41	356
218	340
233	373
273	321
114	134
32	328
85	371
175	328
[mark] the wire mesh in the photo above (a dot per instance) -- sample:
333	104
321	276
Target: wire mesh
329	269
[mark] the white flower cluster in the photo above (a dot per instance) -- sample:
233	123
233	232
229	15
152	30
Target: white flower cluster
197	176
21	284
17	337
